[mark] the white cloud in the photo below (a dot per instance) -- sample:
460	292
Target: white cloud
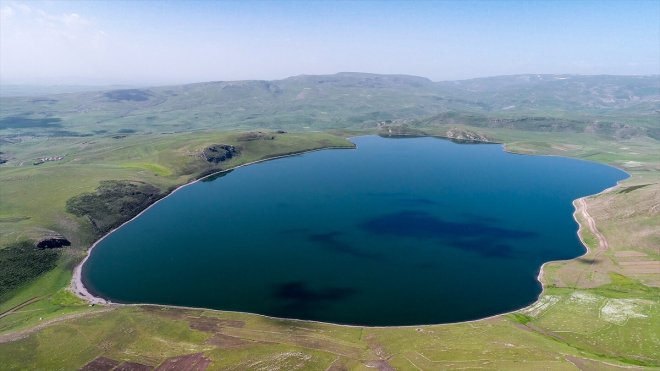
23	8
6	12
37	45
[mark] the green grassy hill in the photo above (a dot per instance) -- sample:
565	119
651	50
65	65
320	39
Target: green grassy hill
344	100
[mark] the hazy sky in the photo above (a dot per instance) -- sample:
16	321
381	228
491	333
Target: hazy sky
150	42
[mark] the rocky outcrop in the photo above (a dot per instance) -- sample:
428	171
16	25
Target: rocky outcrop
219	153
463	135
398	128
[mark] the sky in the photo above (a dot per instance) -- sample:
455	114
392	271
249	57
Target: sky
172	42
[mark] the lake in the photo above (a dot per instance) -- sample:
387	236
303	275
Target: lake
396	232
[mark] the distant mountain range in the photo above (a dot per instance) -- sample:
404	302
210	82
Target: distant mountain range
610	105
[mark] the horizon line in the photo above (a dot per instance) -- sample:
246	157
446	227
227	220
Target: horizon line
119	84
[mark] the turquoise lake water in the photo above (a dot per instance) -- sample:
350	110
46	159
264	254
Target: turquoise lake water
396	232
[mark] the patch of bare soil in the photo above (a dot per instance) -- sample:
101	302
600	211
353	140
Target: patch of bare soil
133	366
376	347
203	324
588	364
100	364
380	364
189	362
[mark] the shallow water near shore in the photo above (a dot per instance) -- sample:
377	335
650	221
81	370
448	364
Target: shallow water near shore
396	232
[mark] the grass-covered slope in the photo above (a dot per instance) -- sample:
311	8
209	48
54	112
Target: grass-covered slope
345	100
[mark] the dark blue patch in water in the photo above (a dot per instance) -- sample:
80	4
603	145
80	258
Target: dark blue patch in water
474	235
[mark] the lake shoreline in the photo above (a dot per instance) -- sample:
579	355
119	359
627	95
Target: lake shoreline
78	287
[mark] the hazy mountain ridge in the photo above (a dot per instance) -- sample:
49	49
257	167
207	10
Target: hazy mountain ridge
603	104
591	92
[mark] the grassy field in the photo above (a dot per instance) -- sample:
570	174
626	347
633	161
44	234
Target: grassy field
79	164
